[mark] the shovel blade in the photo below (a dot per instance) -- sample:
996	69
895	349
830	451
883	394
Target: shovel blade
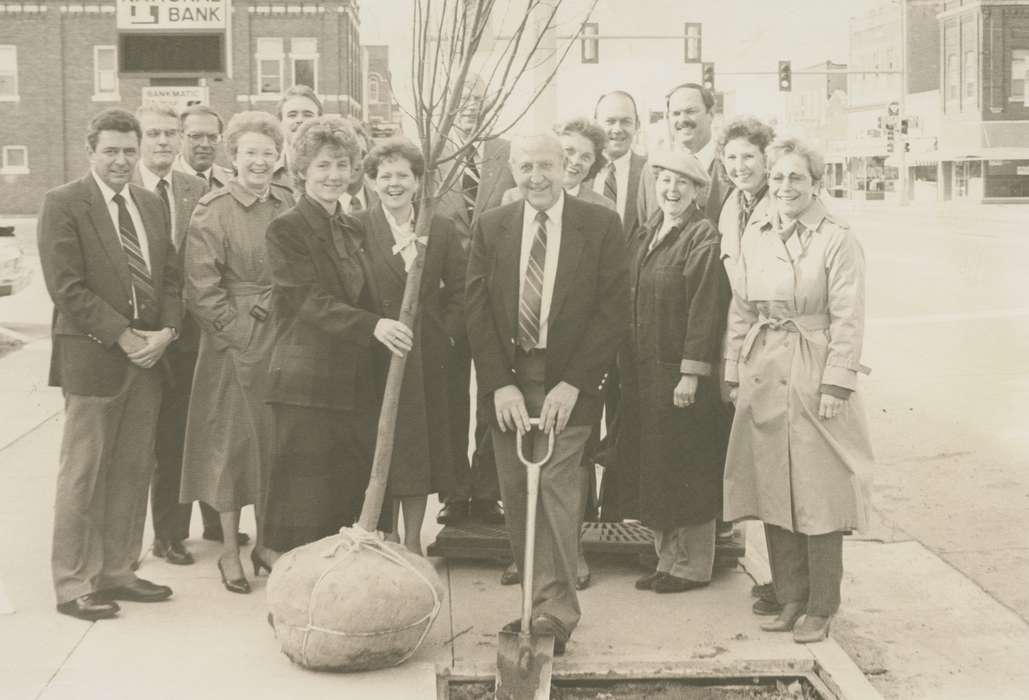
524	666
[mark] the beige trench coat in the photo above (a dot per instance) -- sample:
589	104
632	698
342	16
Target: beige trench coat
796	323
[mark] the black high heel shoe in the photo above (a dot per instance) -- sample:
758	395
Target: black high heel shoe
236	585
259	563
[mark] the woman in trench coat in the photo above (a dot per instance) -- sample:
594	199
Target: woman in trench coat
228	288
799	454
422	461
680	295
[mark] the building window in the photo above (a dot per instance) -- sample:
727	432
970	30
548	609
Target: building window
953	78
269	66
8	72
1019	75
374	93
15	160
971	76
304	55
105	73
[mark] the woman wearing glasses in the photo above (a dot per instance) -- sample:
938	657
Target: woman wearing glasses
799	457
228	287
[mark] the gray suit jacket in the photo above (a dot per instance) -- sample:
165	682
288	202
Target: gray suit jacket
494	179
187	190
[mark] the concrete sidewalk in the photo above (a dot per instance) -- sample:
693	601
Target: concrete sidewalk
914	625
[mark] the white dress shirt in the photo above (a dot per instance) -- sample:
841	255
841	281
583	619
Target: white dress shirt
150	180
706	155
550	264
182	166
137	222
622	164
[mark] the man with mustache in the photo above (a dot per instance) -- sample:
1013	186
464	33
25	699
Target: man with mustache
179	194
485	176
111	270
546	306
689	111
202	132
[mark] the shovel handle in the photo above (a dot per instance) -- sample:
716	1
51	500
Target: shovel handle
535	423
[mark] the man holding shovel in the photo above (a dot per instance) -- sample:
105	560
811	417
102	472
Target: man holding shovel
546	309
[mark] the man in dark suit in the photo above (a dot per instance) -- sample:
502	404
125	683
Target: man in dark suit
179	194
547	304
689	112
201	133
360	196
485	176
111	270
619	176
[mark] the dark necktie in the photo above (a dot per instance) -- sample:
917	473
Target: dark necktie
611	184
162	189
531	304
355	203
470	184
141	282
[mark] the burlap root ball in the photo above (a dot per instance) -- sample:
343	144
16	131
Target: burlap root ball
351	602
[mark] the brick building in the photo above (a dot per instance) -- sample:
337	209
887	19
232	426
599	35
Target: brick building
381	110
984	72
59	65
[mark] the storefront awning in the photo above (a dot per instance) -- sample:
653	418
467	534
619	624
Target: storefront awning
915	159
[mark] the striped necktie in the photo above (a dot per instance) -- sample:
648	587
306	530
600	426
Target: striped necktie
531	304
611	184
141	282
470	184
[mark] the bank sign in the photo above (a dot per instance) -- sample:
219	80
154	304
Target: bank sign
172	15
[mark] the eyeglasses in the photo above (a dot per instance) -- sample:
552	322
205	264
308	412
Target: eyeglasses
199	137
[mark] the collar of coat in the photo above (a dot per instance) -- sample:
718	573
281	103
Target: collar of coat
247	198
811	218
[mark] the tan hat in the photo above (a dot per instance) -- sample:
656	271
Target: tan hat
681	162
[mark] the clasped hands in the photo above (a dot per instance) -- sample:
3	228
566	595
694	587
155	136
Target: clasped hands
557	408
145	348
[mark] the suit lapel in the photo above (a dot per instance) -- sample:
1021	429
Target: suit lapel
107	233
569	256
509	256
348	270
382	239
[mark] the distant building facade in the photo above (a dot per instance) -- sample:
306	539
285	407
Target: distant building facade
381	110
59	65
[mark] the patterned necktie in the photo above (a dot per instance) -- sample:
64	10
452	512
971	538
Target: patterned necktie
470	184
611	184
162	189
141	282
531	304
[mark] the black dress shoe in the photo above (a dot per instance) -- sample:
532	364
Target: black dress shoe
139	591
88	607
763	606
488	512
763	590
676	584
242	538
646	583
173	552
510	576
542	626
452	513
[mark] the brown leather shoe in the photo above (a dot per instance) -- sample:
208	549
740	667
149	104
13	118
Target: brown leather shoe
89	607
139	591
173	552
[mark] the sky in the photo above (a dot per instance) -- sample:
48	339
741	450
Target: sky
738	36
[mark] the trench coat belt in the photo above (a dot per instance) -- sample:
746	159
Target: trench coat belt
247	289
807	326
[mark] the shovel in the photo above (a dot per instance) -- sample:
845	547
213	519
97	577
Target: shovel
525	660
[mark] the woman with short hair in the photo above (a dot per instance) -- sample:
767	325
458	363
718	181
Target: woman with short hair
422	459
325	371
228	290
800	458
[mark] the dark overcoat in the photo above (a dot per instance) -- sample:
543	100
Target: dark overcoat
680	297
422	454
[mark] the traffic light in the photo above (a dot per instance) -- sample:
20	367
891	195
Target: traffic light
904	126
889	146
708	75
693	42
785	76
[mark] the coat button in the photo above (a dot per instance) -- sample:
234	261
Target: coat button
783	382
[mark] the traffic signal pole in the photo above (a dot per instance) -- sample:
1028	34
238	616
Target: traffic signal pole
902	180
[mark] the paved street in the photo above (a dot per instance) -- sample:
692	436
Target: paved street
939	610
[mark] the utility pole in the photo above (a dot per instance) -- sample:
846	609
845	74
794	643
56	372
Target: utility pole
902	181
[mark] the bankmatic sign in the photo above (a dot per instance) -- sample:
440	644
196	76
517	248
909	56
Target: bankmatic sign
172	15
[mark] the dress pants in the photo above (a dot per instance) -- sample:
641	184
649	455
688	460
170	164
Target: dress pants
686	552
476	480
559	511
806	568
171	518
107	459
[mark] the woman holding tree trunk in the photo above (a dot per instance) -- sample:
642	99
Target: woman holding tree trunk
332	339
422	455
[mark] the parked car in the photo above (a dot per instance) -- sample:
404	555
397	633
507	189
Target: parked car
14	275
